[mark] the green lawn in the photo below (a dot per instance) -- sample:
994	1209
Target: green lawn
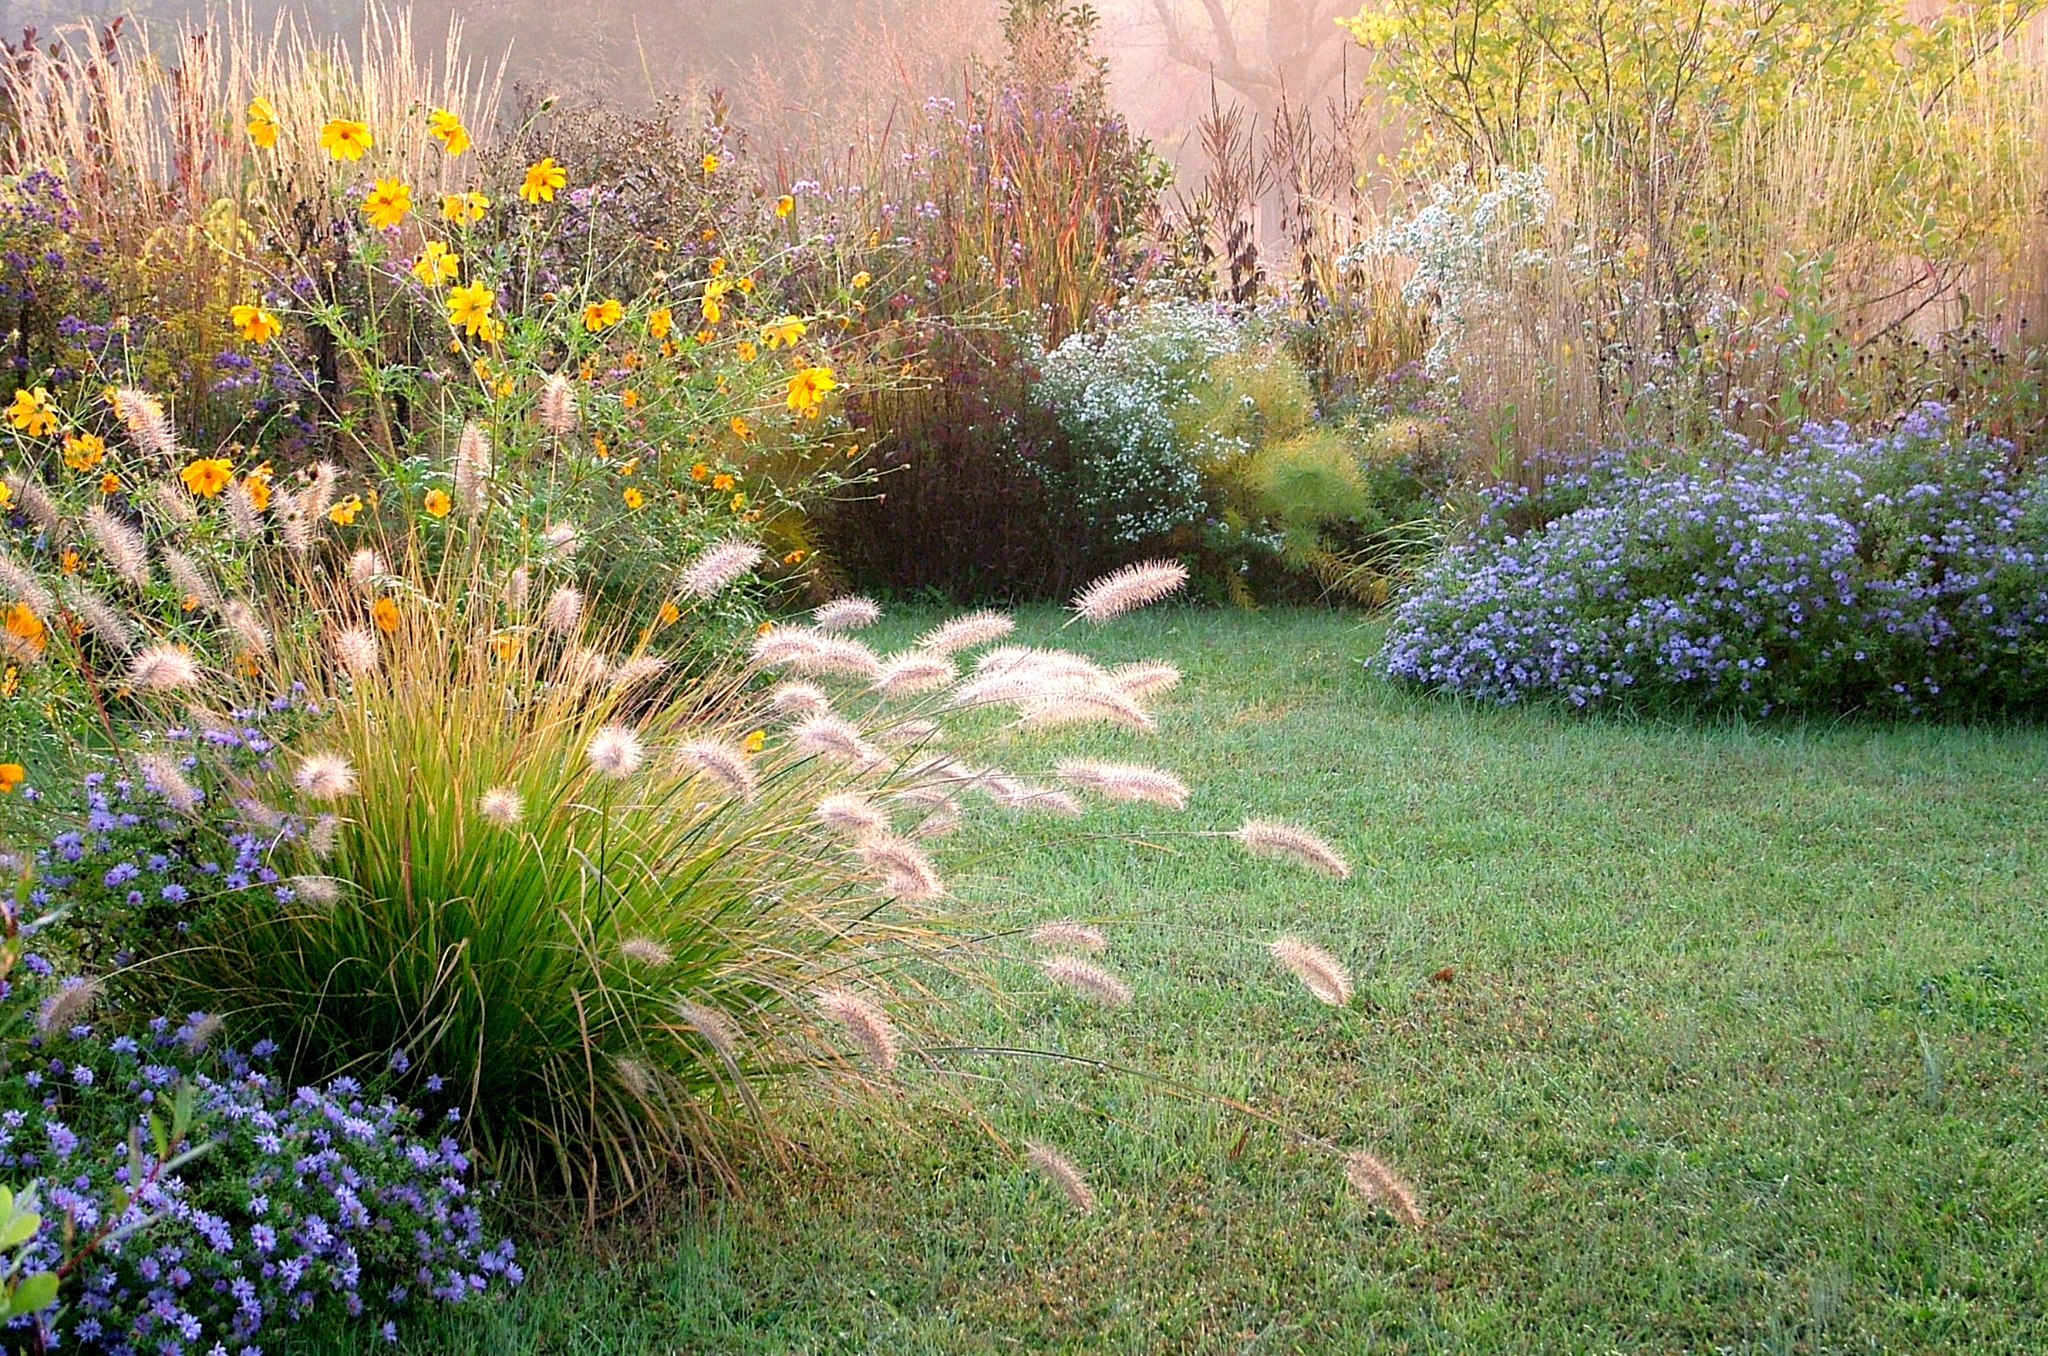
1744	1049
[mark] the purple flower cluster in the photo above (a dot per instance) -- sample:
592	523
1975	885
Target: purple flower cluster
295	1203
131	875
1906	571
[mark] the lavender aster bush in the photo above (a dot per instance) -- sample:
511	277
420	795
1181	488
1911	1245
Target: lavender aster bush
191	1201
1902	572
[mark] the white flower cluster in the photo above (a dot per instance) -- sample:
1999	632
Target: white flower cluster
1455	241
1117	394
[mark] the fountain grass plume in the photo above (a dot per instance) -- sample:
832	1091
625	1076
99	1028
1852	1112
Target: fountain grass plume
1089	980
1319	972
1128	589
1284	842
1058	1169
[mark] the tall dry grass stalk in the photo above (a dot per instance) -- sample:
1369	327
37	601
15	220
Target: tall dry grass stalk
148	141
1753	284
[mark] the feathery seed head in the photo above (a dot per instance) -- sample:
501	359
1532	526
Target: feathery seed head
355	648
325	776
1058	1169
1319	972
847	614
502	806
1066	935
866	1023
616	752
1132	587
1090	981
906	872
647	952
1382	1186
1284	842
911	673
1126	782
163	668
827	736
719	566
121	544
67	1008
558	406
853	815
722	763
564	610
712	1025
966	633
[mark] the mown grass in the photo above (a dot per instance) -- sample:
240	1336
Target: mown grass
1738	1046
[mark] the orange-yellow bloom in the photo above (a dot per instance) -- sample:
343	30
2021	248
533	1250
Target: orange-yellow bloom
389	203
12	775
660	323
808	389
600	316
437	264
464	209
254	323
208	476
784	333
469	309
83	451
544	179
634	499
438	504
785	205
446	128
384	612
262	123
346	139
344	513
33	413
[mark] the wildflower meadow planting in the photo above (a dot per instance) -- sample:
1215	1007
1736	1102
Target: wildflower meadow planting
1373	687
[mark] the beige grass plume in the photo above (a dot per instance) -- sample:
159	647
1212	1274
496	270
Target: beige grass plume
365	568
1126	782
564	610
847	614
18	582
712	1025
966	633
355	648
646	952
717	567
908	674
149	428
1132	587
615	751
163	668
325	776
827	736
502	806
853	815
1086	707
472	467
562	541
722	763
867	1024
121	544
191	580
1383	1186
1090	981
558	406
1284	842
797	700
1063	934
1145	679
240	617
1320	972
161	774
1058	1169
906	872
102	618
67	1008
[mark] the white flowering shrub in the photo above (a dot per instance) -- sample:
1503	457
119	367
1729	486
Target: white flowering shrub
1136	470
1456	243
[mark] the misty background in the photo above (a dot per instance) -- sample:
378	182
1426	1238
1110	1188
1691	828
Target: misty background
809	77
